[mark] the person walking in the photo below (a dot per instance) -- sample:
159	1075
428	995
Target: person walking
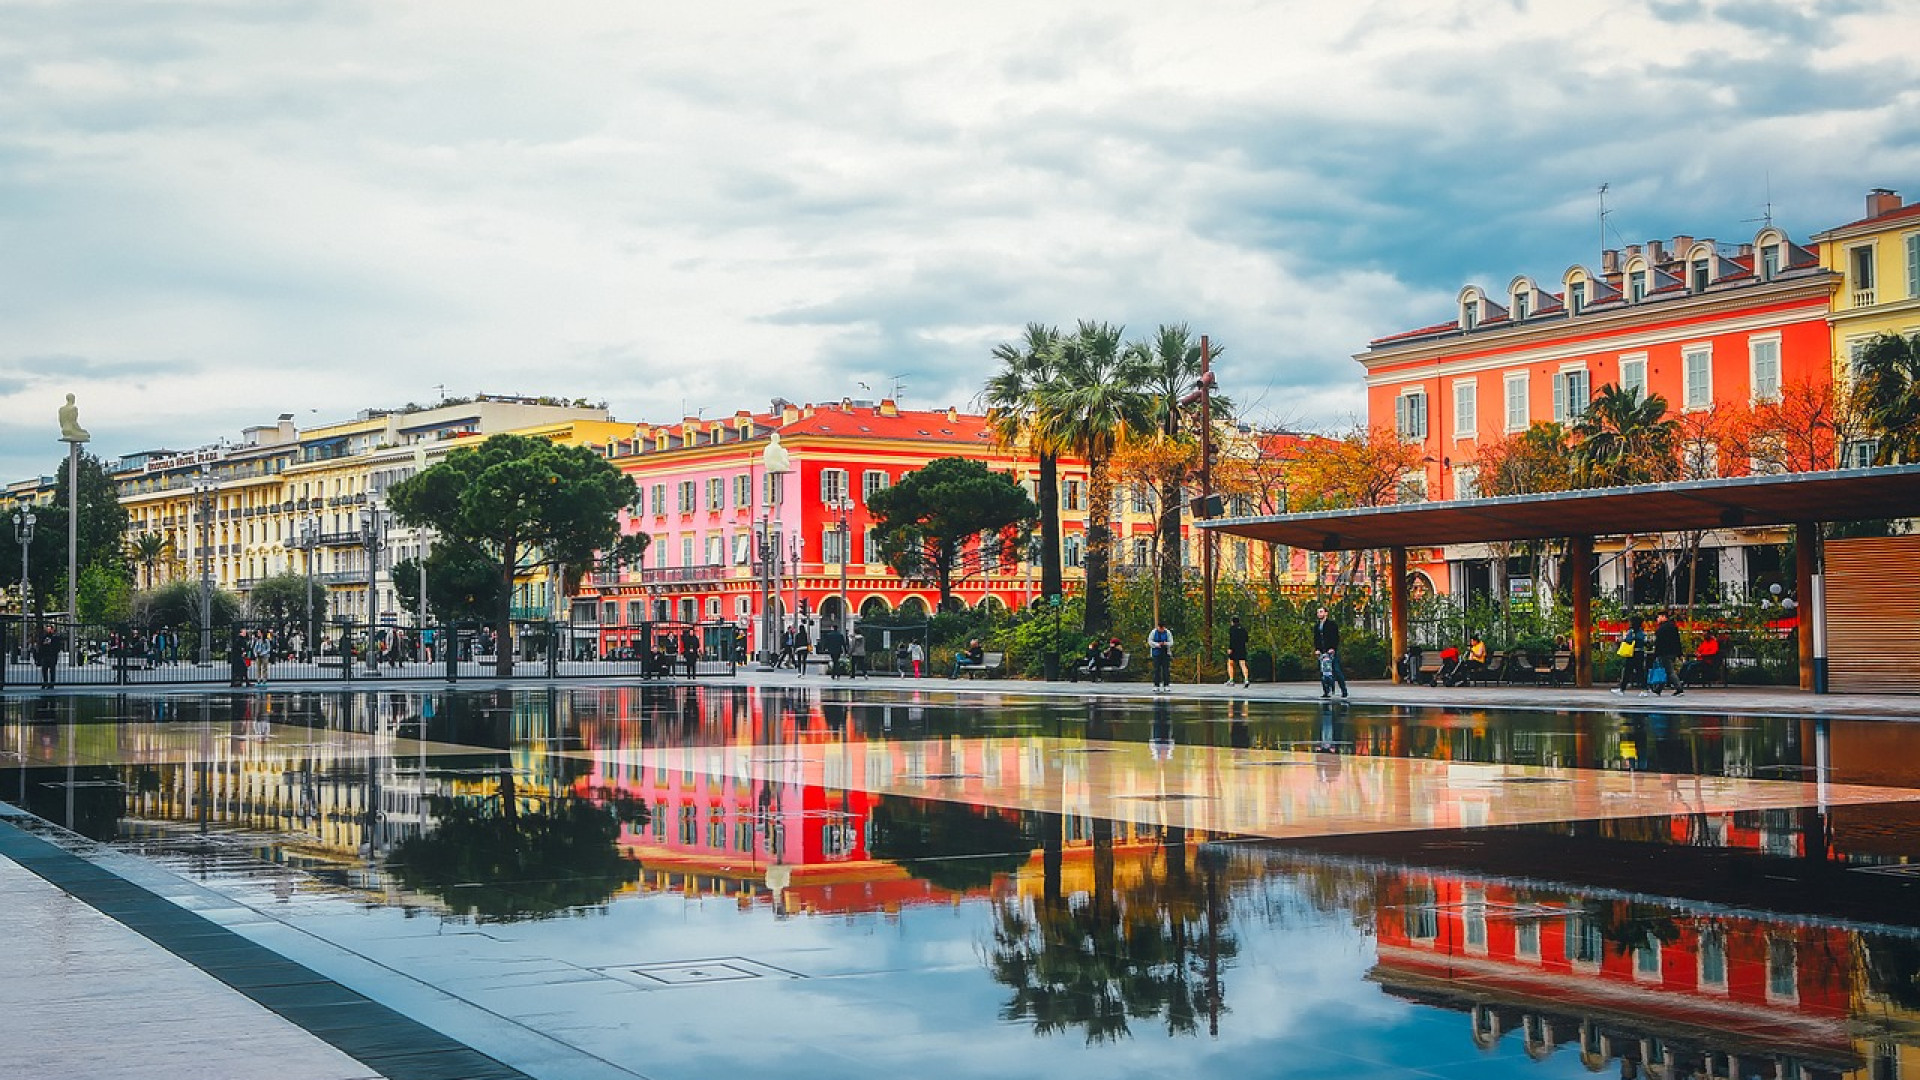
1666	653
833	643
1326	642
262	654
1160	651
857	656
238	654
918	656
1633	654
801	642
1237	651
46	654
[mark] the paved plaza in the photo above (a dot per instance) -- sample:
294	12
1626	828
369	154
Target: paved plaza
268	893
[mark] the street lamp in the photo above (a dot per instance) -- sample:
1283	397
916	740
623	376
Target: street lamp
23	521
776	463
372	538
843	505
309	540
203	489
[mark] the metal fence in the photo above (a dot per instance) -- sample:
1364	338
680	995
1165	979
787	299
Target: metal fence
260	651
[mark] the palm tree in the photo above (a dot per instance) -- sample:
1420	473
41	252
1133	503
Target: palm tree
1624	438
1094	401
1887	380
1013	398
148	550
1172	359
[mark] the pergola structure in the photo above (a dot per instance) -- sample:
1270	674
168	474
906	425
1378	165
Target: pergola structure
1803	500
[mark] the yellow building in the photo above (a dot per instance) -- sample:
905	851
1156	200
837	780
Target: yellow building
244	512
1878	258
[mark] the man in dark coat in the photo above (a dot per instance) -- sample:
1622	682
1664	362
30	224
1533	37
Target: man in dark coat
1666	651
46	653
1326	642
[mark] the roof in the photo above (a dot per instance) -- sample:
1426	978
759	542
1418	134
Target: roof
1891	491
1911	210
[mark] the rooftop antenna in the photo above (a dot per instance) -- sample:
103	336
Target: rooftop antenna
1603	219
899	386
440	391
1766	209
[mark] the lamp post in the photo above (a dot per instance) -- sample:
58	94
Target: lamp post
844	505
775	463
309	540
203	489
23	522
371	537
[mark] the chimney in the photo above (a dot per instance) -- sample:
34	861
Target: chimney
1882	201
789	413
1633	252
1609	261
953	415
1681	244
888	407
1655	253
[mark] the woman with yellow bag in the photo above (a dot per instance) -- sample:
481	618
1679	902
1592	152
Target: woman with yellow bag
1632	653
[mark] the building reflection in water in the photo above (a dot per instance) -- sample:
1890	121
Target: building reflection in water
1774	943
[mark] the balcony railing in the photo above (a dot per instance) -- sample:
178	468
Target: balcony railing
1863	297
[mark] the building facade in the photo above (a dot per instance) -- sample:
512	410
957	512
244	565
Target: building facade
729	542
1877	259
1702	324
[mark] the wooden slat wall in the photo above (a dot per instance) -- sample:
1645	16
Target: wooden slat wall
1873	615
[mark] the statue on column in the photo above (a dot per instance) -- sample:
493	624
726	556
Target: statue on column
70	429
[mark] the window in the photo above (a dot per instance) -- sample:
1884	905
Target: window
1466	482
687	492
833	485
1584	943
1769	262
1413	487
1913	265
1860	271
686	551
833	545
659	549
1526	939
1140	551
742	548
1466	408
1764	357
1073	495
1571	393
1700	274
660	498
1633	374
871	481
772	488
743	490
1636	286
1577	296
716	550
1646	959
1697	364
872	545
1410	415
1522	302
1474	918
1516	388
1783	970
716	493
1071	548
636	612
1469	314
1141	500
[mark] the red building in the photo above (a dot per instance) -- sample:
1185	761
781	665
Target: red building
1701	324
732	543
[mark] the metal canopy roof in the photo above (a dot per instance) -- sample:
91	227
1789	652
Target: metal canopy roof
1891	491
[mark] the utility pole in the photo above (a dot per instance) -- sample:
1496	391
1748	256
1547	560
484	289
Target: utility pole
1206	497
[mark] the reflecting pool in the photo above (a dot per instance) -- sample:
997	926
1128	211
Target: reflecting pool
686	881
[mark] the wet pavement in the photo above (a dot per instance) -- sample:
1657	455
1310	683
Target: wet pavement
675	881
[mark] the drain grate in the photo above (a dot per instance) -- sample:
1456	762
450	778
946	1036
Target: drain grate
679	973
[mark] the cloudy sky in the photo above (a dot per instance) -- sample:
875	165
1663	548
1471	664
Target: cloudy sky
216	211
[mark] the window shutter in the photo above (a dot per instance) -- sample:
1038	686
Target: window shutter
1913	264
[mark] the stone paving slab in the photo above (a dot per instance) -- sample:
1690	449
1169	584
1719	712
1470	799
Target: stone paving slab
84	995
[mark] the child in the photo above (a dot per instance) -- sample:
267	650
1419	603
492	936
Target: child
1326	674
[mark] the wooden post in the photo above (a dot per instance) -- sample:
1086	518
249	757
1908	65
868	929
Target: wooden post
1397	606
1580	567
1806	550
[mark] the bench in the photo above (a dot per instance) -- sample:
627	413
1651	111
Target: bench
1095	671
1494	671
992	664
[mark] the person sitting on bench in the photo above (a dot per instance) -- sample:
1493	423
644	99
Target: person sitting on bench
973	656
1474	665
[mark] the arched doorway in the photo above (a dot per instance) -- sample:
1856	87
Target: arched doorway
874	608
912	609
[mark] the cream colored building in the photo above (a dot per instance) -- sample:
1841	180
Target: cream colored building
261	507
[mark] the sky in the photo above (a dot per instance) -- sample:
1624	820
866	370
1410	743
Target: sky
213	212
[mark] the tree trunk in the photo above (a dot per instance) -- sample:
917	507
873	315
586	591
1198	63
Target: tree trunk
1169	533
503	628
1050	575
1099	545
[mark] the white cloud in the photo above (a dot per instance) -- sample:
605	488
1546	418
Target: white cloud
271	207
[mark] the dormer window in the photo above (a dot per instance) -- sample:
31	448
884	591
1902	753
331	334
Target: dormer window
1636	285
1698	274
1521	305
1469	314
1769	262
1576	296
